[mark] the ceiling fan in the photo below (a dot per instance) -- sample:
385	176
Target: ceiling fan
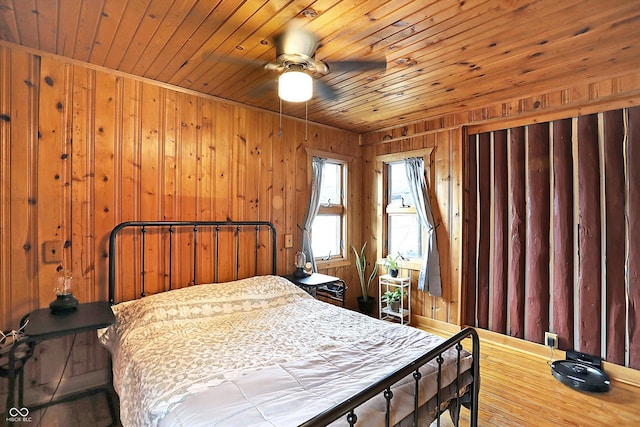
295	60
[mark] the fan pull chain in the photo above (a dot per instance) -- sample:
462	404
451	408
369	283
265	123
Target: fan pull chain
306	120
280	130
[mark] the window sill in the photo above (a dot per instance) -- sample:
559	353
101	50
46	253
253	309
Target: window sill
414	264
332	263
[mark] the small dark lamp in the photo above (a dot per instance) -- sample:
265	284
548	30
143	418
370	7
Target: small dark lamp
65	301
300	261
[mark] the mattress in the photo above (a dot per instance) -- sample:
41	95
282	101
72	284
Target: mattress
257	351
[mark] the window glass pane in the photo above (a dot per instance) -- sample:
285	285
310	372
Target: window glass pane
331	184
399	185
325	236
405	236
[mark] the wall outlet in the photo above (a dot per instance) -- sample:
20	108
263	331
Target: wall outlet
551	339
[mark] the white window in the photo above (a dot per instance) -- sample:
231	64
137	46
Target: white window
404	233
328	230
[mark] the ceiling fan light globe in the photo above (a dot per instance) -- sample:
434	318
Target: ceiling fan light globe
295	86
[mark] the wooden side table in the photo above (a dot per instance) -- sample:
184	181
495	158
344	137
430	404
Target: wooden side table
43	325
329	287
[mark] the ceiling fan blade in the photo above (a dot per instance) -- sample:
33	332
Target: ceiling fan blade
324	91
345	66
238	60
267	88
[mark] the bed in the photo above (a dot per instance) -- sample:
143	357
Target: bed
257	350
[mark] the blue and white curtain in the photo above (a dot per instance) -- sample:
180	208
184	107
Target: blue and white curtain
429	279
317	165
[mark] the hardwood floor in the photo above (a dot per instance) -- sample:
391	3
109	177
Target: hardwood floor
90	411
517	389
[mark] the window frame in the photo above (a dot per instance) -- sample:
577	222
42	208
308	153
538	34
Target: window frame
382	171
343	258
395	210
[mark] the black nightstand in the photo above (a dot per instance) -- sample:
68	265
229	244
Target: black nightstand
43	325
321	285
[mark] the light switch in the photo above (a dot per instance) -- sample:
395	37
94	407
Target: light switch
288	240
52	251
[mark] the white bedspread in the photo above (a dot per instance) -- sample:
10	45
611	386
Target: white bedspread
257	351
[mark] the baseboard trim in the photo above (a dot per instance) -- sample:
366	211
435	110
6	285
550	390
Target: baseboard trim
437	326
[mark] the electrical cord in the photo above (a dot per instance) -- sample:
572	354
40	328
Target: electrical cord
550	356
66	362
10	337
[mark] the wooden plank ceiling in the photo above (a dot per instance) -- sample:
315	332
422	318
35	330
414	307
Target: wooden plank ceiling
442	55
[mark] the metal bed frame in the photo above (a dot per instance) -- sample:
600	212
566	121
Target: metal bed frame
196	226
349	406
467	397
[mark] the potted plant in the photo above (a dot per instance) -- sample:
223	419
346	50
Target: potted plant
365	302
391	263
392	298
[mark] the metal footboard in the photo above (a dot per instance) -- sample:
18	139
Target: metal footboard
350	406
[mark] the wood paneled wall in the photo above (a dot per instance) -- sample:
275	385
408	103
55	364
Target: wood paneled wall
576	273
550	104
84	149
445	190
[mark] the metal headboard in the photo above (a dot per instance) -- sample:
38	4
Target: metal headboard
170	227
